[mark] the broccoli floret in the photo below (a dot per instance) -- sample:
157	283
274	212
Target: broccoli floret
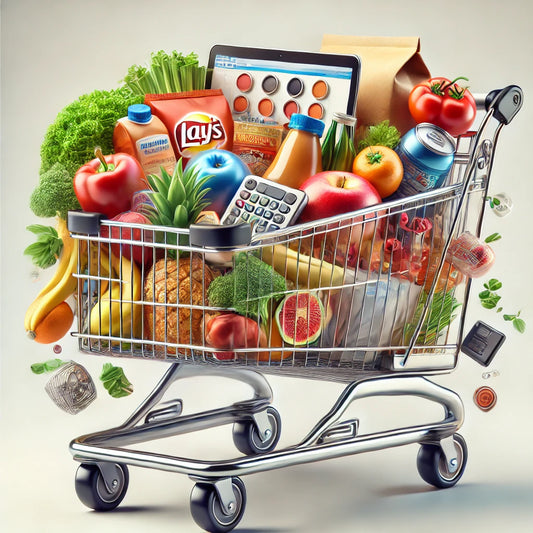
82	125
54	194
247	288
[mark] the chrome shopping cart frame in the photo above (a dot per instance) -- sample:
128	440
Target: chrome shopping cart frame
381	348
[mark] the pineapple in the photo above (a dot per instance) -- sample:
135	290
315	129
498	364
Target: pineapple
175	286
177	199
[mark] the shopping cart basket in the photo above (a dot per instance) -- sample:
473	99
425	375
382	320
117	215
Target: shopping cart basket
391	310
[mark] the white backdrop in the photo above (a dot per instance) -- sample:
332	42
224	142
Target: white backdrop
54	51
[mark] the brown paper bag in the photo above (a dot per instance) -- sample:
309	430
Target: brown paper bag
390	68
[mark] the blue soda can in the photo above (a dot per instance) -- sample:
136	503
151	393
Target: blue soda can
426	152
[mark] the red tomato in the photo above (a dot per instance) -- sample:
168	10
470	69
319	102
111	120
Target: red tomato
444	103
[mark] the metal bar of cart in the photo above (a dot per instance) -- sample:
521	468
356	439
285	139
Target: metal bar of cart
102	446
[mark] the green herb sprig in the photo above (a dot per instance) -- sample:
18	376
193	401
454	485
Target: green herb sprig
45	250
382	134
517	322
115	381
489	299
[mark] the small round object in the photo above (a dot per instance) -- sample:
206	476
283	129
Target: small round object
266	107
485	398
270	84
244	82
247	439
207	511
93	491
320	89
240	104
290	108
432	467
316	110
295	87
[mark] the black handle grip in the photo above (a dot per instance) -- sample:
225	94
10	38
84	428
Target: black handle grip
220	236
506	103
86	223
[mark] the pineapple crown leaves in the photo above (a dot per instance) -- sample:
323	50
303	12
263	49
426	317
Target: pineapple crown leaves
177	199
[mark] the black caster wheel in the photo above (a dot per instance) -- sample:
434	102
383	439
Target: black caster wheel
95	493
207	510
432	467
246	436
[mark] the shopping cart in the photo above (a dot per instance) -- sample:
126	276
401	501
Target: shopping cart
392	312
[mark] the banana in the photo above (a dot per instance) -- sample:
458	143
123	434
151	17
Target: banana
116	313
62	284
303	270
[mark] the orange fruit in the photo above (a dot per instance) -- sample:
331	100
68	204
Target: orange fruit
55	325
381	166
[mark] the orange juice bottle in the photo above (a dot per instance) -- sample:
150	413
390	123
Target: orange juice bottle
145	137
299	156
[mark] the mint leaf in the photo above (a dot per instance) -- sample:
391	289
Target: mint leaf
115	381
519	325
493	284
493	237
491	302
45	251
47	366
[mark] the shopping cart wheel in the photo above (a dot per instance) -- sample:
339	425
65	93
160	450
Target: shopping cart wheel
208	512
95	493
246	435
432	465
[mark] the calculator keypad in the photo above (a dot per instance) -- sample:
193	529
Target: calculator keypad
264	204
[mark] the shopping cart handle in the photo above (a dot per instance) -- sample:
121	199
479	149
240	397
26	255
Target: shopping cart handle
505	102
220	236
84	223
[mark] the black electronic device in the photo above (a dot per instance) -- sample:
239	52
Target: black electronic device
482	343
262	84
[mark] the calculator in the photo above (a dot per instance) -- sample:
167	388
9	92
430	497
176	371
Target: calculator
265	205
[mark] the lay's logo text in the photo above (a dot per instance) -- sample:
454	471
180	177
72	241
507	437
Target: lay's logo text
199	131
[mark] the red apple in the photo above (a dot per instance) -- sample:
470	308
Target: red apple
332	193
140	254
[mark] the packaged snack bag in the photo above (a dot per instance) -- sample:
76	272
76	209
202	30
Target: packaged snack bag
195	120
390	68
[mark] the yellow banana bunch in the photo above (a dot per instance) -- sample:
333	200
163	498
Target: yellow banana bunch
62	284
117	313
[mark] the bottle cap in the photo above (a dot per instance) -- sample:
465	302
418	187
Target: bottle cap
140	113
485	398
306	123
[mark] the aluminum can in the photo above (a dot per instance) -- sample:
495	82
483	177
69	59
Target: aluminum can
427	153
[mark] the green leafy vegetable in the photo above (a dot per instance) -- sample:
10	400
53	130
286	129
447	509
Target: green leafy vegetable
45	251
382	134
83	124
115	381
47	366
248	288
167	73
